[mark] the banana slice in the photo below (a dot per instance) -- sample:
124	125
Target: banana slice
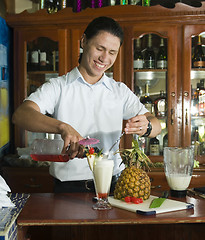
92	159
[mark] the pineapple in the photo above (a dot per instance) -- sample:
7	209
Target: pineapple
133	180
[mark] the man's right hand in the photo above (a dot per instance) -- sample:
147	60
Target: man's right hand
71	138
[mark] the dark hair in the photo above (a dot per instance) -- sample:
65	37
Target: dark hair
106	24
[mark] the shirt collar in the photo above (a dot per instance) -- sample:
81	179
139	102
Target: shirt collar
75	74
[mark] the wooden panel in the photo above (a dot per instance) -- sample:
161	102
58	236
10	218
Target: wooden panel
64	51
132	232
28	180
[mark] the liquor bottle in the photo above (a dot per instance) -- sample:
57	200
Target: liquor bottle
42	4
198	59
162	56
35	58
195	101
138	58
43	61
123	2
111	3
134	2
98	3
28	58
160	105
201	98
57	60
79	5
52	5
149	55
146	3
195	135
138	91
146	100
63	4
165	140
154	148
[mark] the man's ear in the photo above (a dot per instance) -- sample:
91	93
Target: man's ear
83	40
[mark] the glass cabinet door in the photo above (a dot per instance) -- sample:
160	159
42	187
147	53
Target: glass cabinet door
150	85
194	116
42	58
39	55
153	74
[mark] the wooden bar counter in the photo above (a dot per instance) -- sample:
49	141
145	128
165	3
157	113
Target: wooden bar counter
71	217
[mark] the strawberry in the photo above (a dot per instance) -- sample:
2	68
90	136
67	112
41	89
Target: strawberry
136	200
91	150
127	199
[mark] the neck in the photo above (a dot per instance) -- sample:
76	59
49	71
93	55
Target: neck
88	77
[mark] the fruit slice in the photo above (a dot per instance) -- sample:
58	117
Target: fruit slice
92	159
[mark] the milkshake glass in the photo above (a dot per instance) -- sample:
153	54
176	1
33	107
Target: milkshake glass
102	172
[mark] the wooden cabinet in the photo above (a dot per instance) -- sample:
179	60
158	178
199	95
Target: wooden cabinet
28	180
65	27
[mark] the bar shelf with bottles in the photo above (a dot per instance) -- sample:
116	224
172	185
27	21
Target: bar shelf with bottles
42	64
150	85
198	95
54	6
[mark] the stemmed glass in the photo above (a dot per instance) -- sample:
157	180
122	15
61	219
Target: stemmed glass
102	172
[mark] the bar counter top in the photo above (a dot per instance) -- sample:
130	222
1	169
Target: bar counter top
75	210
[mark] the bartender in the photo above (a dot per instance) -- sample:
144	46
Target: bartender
86	102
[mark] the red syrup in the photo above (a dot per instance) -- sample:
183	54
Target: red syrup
50	158
103	195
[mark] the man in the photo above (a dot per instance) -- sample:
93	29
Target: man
85	102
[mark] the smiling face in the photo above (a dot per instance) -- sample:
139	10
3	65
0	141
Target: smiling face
99	54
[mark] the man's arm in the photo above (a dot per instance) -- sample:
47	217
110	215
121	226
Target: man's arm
29	117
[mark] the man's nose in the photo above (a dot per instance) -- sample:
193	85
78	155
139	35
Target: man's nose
103	56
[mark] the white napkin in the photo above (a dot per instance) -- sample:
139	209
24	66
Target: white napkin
5	201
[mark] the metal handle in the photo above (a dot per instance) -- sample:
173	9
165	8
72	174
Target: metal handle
186	117
172	116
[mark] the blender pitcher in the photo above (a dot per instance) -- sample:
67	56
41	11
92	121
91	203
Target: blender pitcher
178	167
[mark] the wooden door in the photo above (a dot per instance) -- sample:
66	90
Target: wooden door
192	77
170	34
57	38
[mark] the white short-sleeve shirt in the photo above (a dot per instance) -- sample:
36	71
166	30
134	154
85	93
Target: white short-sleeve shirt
95	110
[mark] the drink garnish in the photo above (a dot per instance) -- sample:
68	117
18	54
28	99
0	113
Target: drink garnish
88	141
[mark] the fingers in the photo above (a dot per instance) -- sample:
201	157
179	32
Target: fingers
75	150
137	125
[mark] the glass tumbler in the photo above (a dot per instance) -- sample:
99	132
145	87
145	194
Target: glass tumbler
178	167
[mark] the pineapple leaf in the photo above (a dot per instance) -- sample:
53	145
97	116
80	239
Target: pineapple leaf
135	157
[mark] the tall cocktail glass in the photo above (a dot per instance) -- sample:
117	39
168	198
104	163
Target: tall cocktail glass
102	171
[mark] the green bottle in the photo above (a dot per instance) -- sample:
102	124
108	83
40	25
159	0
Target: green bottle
146	3
123	2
